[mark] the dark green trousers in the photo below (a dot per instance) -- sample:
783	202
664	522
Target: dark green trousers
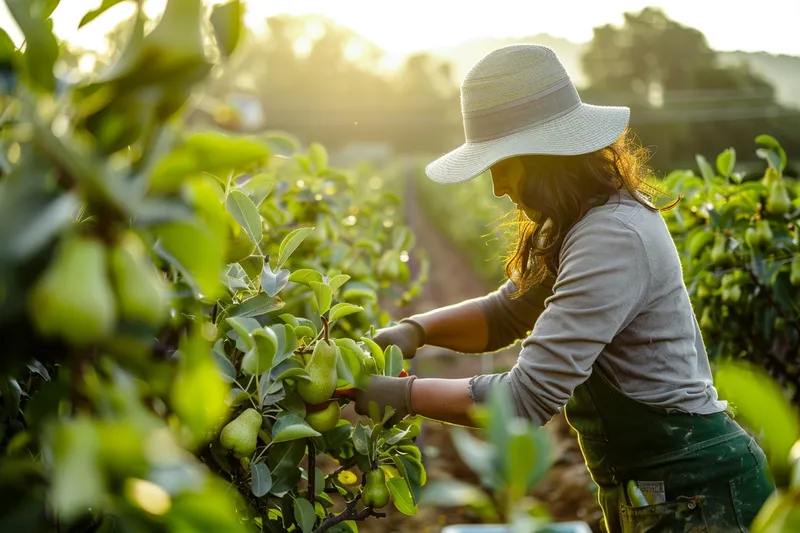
714	476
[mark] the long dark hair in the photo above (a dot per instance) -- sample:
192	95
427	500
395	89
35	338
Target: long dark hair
561	189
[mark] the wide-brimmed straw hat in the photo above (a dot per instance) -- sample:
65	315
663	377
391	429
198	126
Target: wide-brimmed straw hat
520	100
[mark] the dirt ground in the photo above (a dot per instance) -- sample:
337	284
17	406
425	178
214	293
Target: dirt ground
566	491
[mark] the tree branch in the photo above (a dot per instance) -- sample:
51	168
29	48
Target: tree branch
348	514
312	471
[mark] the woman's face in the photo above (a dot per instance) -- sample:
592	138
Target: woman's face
508	177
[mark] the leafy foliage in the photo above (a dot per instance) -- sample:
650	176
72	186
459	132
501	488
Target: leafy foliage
738	242
164	292
514	458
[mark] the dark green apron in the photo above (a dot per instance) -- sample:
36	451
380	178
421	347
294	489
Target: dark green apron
714	475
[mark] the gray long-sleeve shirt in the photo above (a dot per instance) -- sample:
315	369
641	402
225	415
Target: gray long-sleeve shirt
619	301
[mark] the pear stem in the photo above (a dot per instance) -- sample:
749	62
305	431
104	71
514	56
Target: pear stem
325	328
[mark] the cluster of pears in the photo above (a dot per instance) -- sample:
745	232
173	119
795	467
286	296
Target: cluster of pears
323	413
89	286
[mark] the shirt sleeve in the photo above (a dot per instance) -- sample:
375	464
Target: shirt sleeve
601	286
507	319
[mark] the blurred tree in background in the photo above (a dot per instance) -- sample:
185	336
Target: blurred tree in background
683	99
325	83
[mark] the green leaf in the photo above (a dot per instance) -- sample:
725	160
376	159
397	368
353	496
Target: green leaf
705	169
245	212
220	154
226	368
256	306
394	439
338	281
323	294
260	479
452	493
318	157
770	142
305	276
343	309
292	427
228	21
403	239
358	290
284	457
343	370
401	496
41	46
361	439
290	244
31	224
274	282
93	14
37	367
12	395
520	458
196	252
352	357
478	455
394	361
771	157
726	160
501	404
304	514
413	472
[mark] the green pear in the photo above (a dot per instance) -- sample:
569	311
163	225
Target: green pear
321	369
375	493
73	298
719	253
241	434
764	232
778	201
143	295
326	419
706	322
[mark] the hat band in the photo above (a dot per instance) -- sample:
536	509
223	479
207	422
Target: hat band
521	114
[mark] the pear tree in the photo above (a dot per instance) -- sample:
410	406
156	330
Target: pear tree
737	233
185	313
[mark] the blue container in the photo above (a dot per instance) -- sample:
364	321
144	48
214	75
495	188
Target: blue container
555	527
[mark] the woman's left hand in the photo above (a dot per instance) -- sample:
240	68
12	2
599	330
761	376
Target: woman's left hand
386	392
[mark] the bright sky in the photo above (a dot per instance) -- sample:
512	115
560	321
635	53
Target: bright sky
410	25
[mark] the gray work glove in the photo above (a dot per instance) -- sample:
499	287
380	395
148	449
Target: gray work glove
408	335
386	392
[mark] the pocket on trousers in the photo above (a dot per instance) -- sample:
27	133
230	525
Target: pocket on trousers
750	490
681	516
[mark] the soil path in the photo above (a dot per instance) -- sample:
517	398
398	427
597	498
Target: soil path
566	490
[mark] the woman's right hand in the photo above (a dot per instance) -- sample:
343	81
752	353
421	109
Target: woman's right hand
408	335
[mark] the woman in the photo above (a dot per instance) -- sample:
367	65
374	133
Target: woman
596	291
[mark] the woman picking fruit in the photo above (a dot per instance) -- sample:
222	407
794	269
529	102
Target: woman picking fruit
596	291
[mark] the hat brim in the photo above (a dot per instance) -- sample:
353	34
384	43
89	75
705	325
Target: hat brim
586	129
